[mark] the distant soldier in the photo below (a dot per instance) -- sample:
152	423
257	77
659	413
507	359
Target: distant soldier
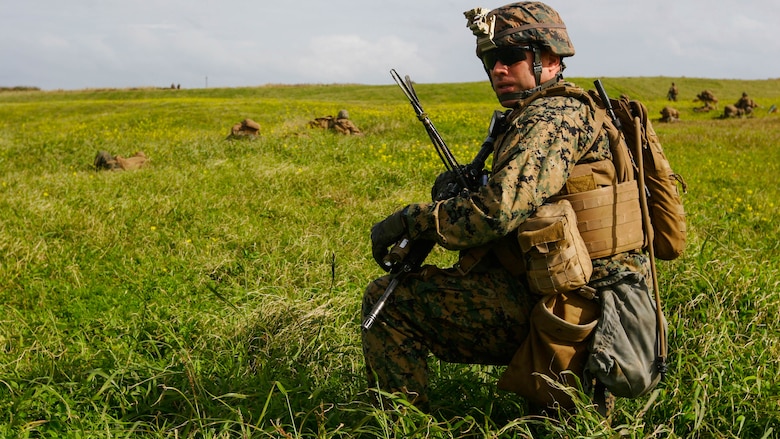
672	93
321	122
709	100
341	124
746	104
670	114
732	111
246	129
104	160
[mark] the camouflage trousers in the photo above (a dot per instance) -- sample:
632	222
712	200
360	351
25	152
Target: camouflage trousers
478	318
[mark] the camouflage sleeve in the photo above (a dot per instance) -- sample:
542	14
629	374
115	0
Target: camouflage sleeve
531	163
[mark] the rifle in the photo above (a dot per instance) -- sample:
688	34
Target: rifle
407	255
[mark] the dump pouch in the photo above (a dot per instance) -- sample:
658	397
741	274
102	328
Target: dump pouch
557	341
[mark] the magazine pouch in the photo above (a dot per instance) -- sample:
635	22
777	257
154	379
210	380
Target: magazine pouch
556	258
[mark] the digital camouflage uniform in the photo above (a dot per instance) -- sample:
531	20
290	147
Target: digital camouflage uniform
346	126
482	316
479	312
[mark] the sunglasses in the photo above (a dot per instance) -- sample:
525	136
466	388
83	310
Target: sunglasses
508	55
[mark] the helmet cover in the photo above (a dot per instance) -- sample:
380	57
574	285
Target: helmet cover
520	24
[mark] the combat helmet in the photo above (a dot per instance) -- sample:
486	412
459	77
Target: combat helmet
532	24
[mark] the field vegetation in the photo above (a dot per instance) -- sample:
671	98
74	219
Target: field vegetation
216	292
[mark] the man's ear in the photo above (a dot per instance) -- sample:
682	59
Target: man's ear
551	60
551	63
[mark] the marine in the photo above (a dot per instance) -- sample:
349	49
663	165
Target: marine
746	104
669	114
480	310
708	99
341	124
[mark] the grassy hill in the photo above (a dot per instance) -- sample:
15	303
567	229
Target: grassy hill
216	293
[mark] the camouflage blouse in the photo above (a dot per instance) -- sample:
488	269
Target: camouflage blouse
531	162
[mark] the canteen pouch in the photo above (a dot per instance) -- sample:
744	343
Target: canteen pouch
556	258
560	326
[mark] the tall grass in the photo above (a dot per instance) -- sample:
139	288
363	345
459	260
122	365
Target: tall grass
216	292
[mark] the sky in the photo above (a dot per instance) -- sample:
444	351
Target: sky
77	44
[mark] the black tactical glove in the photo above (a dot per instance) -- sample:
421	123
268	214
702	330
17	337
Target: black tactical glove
386	233
446	186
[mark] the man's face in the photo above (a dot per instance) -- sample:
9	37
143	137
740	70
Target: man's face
513	71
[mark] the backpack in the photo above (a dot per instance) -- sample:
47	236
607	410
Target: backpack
667	216
666	226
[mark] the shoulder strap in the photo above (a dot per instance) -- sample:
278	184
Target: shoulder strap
625	168
599	114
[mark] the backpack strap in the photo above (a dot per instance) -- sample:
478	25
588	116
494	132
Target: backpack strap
637	141
624	165
569	90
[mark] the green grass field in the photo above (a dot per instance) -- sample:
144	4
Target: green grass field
216	292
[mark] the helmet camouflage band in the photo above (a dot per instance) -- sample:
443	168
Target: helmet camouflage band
518	24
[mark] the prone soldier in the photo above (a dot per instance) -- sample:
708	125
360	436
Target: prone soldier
670	114
340	124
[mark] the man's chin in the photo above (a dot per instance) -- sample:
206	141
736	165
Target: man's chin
508	99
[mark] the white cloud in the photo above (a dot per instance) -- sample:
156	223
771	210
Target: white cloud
352	58
55	44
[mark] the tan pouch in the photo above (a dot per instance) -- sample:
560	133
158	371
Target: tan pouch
556	258
609	218
135	161
557	341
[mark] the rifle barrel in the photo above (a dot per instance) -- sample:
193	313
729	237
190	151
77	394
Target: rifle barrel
607	103
445	154
372	316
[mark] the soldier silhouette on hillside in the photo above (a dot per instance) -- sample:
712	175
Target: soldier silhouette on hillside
672	93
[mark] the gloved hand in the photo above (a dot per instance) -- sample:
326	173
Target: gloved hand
445	186
386	233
